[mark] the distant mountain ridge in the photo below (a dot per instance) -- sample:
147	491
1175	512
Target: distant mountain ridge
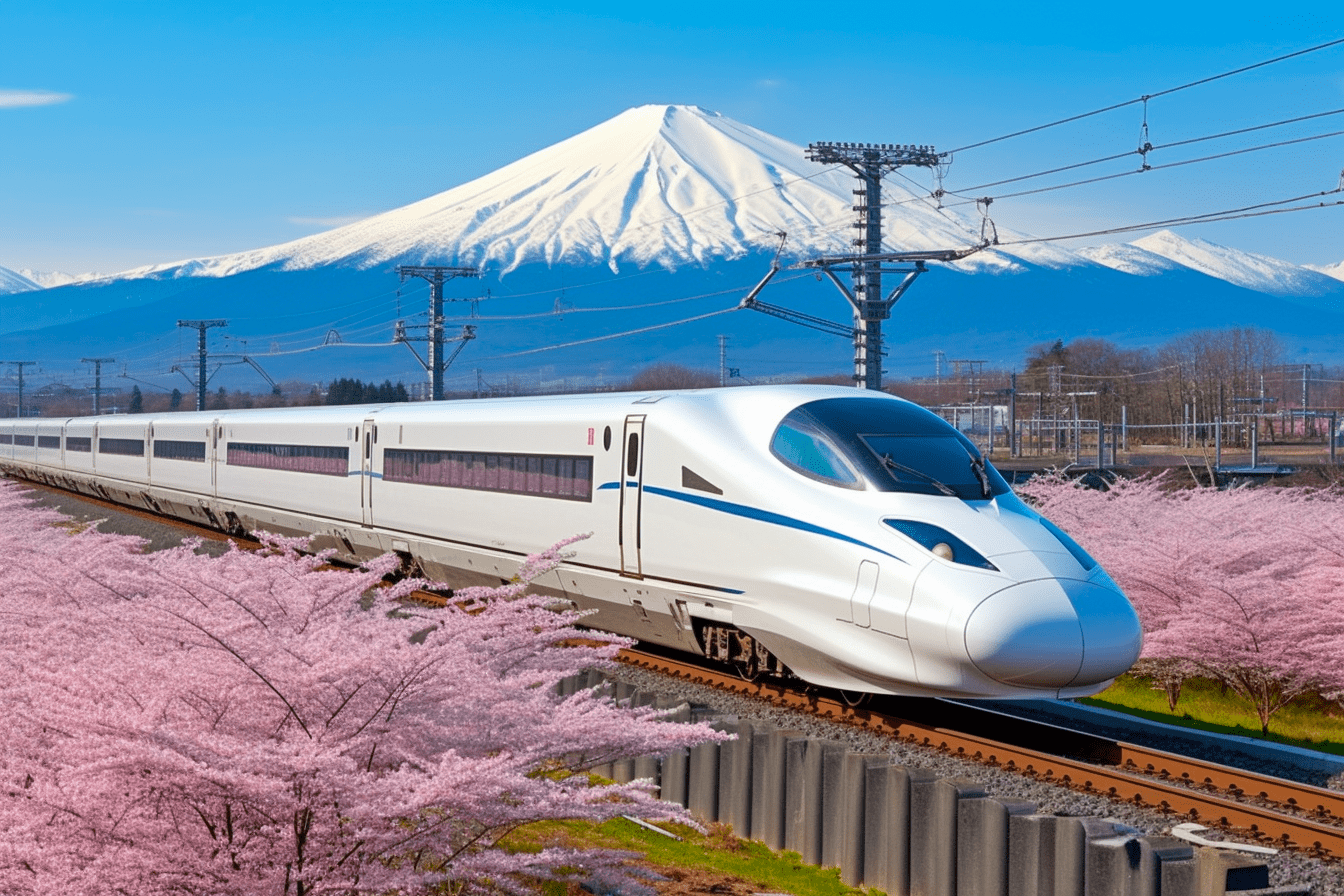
14	282
662	215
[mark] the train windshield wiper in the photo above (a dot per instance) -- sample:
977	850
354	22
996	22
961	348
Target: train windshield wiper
894	466
978	467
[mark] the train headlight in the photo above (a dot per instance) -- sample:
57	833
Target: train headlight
941	543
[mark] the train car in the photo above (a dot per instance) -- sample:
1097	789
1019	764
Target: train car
848	538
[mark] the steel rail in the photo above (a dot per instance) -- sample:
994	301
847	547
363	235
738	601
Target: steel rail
1192	789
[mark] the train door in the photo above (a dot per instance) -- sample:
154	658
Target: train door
367	440
215	432
632	472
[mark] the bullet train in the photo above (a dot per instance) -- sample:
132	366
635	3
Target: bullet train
849	538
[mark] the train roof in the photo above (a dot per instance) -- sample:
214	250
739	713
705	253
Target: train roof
768	401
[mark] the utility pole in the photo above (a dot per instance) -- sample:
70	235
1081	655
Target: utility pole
435	276
869	162
201	378
21	365
97	381
723	360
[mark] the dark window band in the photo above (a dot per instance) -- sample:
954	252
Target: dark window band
23	440
79	443
175	450
324	460
127	447
49	442
568	477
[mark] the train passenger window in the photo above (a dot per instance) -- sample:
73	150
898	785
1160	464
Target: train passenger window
6	439
325	460
49	442
26	441
127	447
83	444
172	449
552	476
813	455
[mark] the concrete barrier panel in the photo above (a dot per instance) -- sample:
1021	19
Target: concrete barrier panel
703	787
647	767
854	814
735	779
802	797
1047	854
934	811
768	776
674	777
886	827
836	795
623	771
982	844
1226	872
1132	866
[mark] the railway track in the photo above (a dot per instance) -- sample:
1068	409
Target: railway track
1269	811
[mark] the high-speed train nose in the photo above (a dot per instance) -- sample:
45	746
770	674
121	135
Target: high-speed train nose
1053	633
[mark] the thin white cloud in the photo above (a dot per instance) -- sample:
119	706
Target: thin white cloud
333	221
769	83
14	99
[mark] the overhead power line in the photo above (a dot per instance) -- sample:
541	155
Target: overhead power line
1145	98
1250	211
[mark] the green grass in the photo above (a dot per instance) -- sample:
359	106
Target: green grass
1306	722
716	851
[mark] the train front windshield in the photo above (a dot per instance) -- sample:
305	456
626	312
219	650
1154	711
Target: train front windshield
891	445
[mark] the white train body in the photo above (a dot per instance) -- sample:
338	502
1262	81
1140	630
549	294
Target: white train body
851	536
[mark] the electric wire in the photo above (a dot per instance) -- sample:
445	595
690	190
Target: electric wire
1145	98
604	338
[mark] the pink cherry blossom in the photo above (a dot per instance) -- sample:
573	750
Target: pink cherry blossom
1243	585
261	723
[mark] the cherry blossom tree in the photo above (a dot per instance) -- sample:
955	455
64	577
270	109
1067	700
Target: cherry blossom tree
1244	586
261	723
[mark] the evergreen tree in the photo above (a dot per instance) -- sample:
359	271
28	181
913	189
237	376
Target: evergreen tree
137	401
175	400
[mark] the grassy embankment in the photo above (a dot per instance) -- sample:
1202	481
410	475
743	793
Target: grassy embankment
1308	722
716	862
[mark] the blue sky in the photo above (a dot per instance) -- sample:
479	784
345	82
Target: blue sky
134	133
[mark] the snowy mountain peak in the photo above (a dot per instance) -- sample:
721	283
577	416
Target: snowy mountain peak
1258	272
1330	270
13	281
665	185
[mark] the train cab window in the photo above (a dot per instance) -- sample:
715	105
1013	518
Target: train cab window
898	446
811	453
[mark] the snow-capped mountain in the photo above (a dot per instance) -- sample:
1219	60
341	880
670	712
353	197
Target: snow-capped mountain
691	202
1247	269
1331	270
659	185
13	281
52	279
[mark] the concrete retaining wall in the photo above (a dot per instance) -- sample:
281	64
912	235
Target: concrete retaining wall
909	833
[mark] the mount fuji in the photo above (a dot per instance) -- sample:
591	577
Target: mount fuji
631	243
